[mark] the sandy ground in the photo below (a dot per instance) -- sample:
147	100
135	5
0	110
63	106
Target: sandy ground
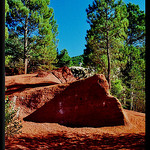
53	136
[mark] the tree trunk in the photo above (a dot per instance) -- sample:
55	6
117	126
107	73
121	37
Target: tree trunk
108	57
130	85
26	65
131	105
108	53
25	44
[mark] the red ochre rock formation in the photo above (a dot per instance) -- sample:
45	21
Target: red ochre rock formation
20	82
83	103
64	74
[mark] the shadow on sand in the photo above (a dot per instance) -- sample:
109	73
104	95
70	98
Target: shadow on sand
78	142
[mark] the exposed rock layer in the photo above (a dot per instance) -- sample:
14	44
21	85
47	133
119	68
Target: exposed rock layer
20	82
64	75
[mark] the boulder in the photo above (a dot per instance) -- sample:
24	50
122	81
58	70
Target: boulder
81	72
64	75
84	103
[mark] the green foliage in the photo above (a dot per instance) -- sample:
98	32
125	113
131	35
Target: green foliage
6	11
108	24
133	58
77	60
119	29
136	29
8	60
137	75
117	87
133	75
64	59
14	54
6	7
12	123
14	48
44	48
36	19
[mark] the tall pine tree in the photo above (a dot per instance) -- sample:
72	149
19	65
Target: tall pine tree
108	22
33	20
133	57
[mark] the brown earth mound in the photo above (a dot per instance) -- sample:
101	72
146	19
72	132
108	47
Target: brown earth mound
64	74
20	82
83	103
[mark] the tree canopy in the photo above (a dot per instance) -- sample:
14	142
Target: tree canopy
108	23
64	59
32	21
116	47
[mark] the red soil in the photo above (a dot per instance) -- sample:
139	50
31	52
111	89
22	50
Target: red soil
54	136
19	83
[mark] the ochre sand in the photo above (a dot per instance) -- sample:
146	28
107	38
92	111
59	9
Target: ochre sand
54	136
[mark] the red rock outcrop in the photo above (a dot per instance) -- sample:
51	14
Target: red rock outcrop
83	103
20	82
34	98
64	74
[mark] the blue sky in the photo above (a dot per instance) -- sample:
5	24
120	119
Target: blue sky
72	26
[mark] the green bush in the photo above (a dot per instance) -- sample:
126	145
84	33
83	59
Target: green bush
117	87
12	123
118	90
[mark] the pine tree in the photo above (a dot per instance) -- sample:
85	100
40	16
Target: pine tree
45	43
132	55
133	76
136	28
13	50
33	20
108	22
64	59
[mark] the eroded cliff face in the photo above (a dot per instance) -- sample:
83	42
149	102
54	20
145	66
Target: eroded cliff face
83	103
19	83
64	75
31	91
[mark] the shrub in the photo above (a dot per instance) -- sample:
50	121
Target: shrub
12	123
118	90
117	87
